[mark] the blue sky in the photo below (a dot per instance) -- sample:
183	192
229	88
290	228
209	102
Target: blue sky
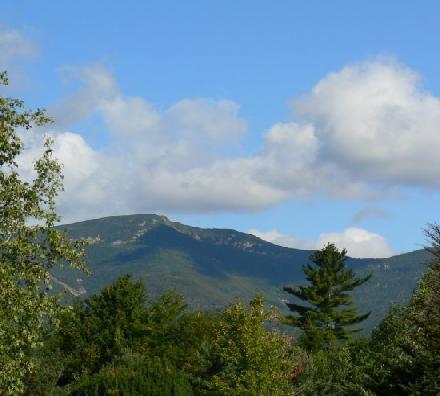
300	121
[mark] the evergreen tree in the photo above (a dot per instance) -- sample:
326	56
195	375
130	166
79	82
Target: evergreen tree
324	319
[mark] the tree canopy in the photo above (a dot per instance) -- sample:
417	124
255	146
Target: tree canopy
29	245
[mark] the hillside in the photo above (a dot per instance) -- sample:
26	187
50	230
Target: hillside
211	267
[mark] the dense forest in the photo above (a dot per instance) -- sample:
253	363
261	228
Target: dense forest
120	341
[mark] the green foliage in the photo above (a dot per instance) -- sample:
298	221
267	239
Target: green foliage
100	327
29	246
331	372
392	351
402	356
404	350
322	320
248	359
44	380
134	375
234	351
426	301
165	323
229	352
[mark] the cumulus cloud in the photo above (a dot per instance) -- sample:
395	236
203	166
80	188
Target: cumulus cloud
173	159
363	130
374	121
180	159
359	242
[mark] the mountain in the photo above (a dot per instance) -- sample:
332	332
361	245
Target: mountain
211	267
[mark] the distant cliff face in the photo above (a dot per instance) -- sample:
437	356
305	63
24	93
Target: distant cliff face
211	267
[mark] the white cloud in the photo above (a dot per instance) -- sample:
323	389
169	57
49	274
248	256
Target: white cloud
132	116
13	46
374	121
176	159
358	242
217	119
361	131
98	86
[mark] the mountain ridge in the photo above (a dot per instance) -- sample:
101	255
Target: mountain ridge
211	267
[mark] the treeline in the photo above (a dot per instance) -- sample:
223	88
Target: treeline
120	342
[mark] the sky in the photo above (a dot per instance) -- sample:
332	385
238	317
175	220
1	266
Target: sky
300	122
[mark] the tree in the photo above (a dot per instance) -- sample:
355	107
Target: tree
324	320
333	372
246	357
404	351
29	246
104	326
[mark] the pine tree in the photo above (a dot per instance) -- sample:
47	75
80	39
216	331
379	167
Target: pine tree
324	319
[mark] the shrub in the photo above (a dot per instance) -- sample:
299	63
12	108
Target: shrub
136	376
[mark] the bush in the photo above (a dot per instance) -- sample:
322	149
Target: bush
136	376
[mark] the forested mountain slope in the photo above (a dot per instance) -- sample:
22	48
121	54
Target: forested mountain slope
211	267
